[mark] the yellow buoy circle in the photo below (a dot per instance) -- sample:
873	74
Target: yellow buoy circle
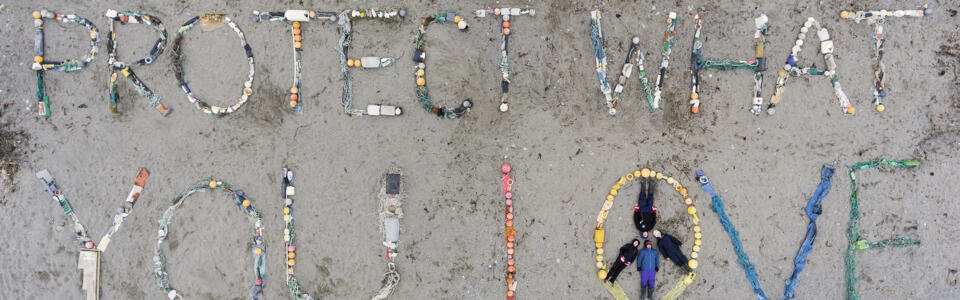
609	197
600	251
693	264
637	173
630	176
600	266
602	274
691	210
613	192
659	176
257	251
697	242
696	228
698	235
645	172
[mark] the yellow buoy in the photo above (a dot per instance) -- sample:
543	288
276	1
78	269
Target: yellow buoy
645	172
421	81
599	251
36	15
659	176
599	257
291	255
691	210
613	192
602	274
350	63
257	251
38	59
246	203
637	174
291	262
630	176
456	19
880	107
851	110
609	197
696	228
693	264
843	14
213	184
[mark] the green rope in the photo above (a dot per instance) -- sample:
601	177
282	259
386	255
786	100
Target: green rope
726	64
853	229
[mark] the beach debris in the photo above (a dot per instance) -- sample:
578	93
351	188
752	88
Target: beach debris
858	242
42	63
814	209
122	68
599	237
669	36
287	191
758	64
420	58
345	21
612	97
390	202
791	68
509	232
210	22
88	260
505	14
742	259
879	18
257	249
296	17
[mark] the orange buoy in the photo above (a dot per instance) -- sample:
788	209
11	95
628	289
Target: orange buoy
510	238
506	24
509	250
695	109
296	31
511	269
510	262
506	31
293	97
509	216
509	223
509	244
297	37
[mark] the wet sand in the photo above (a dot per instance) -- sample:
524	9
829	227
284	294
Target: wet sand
565	152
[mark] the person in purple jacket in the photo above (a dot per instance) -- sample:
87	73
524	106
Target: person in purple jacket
648	263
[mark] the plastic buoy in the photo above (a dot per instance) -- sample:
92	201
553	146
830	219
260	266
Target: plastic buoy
505	168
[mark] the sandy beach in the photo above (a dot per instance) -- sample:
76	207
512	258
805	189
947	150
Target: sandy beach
565	151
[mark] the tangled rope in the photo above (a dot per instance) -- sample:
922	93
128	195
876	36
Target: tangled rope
813	210
241	202
742	259
857	242
390	213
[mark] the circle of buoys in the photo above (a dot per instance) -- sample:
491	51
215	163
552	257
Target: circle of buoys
211	21
240	200
420	57
598	234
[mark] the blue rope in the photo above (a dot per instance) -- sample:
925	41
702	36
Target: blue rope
814	209
742	257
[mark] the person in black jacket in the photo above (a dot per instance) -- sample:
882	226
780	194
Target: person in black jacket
670	249
628	253
644	213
